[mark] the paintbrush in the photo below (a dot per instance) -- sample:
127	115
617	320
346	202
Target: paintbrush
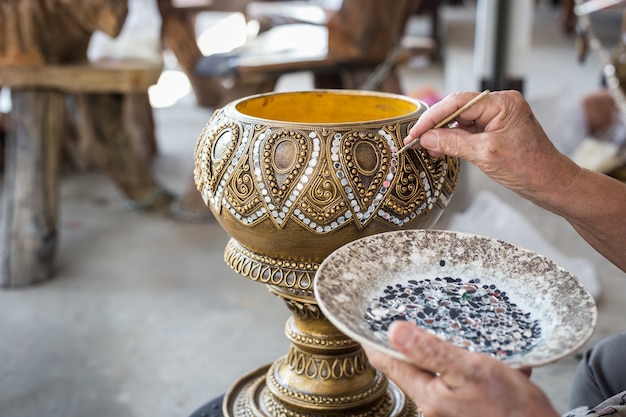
447	119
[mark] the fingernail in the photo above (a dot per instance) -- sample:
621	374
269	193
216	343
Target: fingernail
429	139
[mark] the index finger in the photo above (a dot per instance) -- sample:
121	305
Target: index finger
466	104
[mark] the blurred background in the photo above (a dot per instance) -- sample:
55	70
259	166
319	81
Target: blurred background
138	314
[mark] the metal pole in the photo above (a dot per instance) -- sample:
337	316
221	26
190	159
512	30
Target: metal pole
500	67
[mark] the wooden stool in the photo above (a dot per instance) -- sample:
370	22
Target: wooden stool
178	34
36	125
365	43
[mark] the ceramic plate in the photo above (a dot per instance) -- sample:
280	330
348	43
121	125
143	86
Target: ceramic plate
477	292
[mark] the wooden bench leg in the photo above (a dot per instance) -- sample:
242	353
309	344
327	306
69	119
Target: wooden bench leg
139	125
28	223
101	126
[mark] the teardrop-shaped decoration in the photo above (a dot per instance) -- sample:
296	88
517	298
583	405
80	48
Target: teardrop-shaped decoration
364	163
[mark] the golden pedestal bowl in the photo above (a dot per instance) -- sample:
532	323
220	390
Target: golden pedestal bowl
291	177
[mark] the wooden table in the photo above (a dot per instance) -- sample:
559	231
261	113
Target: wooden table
43	60
28	220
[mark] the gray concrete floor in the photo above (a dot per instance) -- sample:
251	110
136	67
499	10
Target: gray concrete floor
144	318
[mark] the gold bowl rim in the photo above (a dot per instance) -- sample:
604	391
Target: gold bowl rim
232	109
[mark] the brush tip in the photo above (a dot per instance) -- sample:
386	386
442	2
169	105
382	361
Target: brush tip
409	145
403	149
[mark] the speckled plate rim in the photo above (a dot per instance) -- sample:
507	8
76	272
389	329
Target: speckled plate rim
353	274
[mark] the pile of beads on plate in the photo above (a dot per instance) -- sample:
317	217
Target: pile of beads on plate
475	316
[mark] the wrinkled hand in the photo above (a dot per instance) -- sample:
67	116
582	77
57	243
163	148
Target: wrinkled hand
502	137
469	384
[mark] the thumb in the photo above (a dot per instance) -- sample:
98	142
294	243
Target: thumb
429	353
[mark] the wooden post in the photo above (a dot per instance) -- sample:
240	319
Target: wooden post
28	219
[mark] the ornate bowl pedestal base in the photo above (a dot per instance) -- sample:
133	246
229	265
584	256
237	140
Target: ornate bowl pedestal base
324	373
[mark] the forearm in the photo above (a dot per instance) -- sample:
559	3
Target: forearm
595	205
